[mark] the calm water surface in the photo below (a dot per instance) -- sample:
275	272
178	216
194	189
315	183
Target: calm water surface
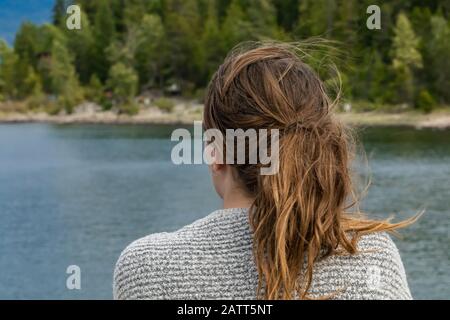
78	194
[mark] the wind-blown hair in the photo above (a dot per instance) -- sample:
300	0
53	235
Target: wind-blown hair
302	213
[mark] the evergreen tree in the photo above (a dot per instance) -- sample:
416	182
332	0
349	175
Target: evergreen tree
212	46
183	41
81	44
151	51
104	34
123	82
48	34
262	15
32	83
32	89
182	24
405	58
124	50
94	90
316	18
287	13
89	7
236	26
63	77
134	10
59	12
25	43
439	54
346	24
8	61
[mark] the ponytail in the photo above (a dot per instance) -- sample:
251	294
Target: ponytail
299	214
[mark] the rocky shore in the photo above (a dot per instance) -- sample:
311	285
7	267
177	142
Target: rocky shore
188	113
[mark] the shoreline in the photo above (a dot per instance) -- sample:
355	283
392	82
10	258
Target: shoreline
436	120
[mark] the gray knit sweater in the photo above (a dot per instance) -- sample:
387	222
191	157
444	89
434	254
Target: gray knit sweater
212	259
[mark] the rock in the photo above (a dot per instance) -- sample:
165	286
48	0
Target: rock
87	108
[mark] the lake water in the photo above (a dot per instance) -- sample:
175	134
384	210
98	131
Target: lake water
78	194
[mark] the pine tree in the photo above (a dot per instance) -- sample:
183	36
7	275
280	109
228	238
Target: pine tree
262	15
94	90
236	26
8	61
405	44
439	54
32	89
59	12
287	13
124	50
405	58
63	77
183	42
104	35
316	18
123	82
212	45
134	10
81	43
182	24
25	43
151	51
346	24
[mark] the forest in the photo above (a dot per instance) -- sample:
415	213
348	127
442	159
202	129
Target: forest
126	47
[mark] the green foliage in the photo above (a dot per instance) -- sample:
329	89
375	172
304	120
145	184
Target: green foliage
64	79
129	108
439	57
104	35
164	104
125	47
94	90
59	11
52	108
236	26
405	58
26	42
425	101
150	51
123	82
405	45
183	25
212	42
316	17
81	43
32	84
8	62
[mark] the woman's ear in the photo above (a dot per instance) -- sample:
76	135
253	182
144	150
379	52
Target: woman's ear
217	168
217	172
213	156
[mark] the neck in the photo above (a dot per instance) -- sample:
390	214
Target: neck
236	199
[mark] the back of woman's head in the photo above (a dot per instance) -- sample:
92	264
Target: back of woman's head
298	215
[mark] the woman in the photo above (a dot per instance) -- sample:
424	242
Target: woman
282	236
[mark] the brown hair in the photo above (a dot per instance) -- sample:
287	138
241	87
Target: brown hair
299	215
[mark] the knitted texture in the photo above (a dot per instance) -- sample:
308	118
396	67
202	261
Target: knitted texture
212	258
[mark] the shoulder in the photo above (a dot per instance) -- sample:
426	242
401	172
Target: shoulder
140	266
141	269
375	271
149	266
387	273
